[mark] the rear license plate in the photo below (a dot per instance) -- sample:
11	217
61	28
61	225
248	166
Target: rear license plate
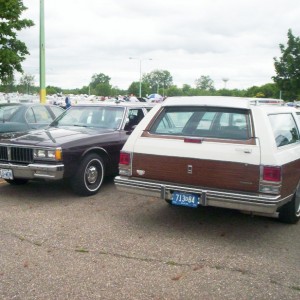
6	174
185	199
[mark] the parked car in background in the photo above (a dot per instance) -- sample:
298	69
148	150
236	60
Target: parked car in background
23	117
227	152
82	145
155	98
293	104
142	99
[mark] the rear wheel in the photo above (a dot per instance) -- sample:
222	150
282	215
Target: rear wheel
89	176
16	181
290	212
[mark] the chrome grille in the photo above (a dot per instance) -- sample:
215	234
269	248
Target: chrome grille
3	153
16	154
21	154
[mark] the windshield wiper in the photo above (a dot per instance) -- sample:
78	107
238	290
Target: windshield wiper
77	125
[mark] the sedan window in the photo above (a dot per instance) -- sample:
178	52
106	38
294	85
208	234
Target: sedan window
40	115
134	117
7	111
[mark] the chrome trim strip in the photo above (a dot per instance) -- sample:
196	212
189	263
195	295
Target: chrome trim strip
243	201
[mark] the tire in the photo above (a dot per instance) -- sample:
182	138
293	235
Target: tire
16	181
290	212
89	176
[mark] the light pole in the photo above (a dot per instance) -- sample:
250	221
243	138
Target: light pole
42	55
140	82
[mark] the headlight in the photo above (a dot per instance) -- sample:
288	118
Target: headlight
38	153
51	154
55	154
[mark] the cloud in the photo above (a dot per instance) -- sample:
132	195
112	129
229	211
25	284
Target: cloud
222	39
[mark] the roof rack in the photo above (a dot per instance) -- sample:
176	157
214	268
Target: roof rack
265	101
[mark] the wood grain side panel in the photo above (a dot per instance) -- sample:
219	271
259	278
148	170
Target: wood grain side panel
205	173
290	177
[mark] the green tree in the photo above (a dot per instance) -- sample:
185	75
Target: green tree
115	91
205	83
54	90
269	90
99	78
84	90
231	93
187	90
100	85
9	85
134	88
103	89
12	50
287	68
158	79
174	91
26	81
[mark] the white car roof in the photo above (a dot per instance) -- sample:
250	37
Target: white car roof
221	101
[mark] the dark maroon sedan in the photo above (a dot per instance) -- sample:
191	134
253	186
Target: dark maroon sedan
82	145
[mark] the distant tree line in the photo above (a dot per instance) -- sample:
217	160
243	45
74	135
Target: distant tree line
13	51
100	85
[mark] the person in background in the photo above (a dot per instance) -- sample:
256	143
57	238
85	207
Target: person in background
68	102
133	98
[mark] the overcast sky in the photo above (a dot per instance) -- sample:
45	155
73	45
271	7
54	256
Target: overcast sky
232	39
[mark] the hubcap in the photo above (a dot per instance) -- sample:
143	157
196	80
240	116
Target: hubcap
91	174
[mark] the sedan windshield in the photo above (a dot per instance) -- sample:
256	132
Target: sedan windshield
91	116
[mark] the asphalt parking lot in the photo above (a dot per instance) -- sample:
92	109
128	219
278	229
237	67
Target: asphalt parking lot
56	245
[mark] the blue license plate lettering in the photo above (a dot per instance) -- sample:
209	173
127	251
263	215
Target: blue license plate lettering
185	199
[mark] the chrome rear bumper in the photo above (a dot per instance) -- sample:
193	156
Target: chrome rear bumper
259	203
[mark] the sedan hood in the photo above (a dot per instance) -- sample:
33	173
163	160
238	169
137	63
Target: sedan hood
54	136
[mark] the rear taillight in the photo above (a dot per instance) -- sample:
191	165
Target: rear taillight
270	180
124	158
193	140
271	173
125	164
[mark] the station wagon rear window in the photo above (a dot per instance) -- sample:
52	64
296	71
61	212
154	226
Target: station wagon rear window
210	122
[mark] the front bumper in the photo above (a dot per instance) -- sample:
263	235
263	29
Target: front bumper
35	171
251	202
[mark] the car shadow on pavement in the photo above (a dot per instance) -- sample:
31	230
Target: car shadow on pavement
44	190
158	216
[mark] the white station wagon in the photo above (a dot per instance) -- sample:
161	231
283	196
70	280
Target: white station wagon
235	153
